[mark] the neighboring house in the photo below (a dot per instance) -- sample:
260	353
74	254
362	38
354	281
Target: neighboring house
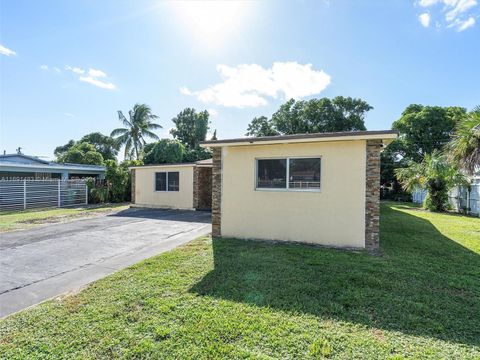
176	186
313	188
19	167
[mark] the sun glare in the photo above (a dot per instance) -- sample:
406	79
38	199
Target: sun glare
211	22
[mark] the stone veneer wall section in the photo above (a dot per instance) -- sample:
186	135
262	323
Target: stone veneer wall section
202	188
195	187
217	192
372	195
133	186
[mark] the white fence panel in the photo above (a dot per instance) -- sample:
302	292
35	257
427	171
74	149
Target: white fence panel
34	194
460	198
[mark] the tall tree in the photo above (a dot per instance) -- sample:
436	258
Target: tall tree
424	129
139	126
261	126
105	145
63	148
191	127
164	151
315	115
464	148
81	153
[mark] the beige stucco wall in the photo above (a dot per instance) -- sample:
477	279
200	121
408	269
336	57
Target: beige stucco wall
334	216
145	194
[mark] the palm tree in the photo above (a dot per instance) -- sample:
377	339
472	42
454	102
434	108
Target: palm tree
436	175
464	148
138	127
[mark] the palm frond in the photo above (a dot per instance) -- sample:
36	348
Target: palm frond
124	120
117	132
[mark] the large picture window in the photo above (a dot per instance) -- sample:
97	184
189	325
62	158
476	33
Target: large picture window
302	173
167	181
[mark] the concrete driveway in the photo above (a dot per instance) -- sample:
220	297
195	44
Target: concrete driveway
47	261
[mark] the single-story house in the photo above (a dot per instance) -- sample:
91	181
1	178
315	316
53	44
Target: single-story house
20	167
175	186
314	188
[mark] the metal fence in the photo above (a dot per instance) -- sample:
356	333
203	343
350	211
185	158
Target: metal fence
34	194
461	199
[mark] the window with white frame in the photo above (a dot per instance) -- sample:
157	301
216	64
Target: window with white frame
289	173
167	181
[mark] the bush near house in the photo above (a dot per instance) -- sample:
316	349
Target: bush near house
226	298
117	184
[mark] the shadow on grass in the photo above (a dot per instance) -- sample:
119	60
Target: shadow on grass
425	284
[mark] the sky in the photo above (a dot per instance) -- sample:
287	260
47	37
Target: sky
67	67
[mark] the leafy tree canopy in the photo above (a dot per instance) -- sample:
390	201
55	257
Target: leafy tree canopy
311	116
63	148
164	151
81	153
261	126
191	127
424	129
103	144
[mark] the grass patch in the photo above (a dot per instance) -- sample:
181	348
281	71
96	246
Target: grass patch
244	299
17	220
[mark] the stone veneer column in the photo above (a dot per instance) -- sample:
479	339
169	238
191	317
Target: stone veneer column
133	186
195	187
216	191
372	195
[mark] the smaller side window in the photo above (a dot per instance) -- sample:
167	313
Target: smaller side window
161	181
173	181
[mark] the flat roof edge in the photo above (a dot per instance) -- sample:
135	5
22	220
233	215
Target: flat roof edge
334	136
169	165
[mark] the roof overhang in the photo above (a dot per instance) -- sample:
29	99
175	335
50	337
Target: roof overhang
52	168
387	136
161	166
200	163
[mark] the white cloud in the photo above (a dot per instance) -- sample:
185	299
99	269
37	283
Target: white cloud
457	13
458	8
466	24
76	70
57	70
424	19
212	112
427	3
92	76
98	83
249	85
44	67
96	73
6	51
68	114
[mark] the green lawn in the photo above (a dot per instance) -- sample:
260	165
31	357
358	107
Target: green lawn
245	299
17	220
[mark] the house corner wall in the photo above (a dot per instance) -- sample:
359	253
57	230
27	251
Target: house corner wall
217	192
372	194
